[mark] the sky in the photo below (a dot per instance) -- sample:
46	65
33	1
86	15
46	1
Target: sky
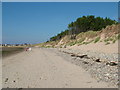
36	22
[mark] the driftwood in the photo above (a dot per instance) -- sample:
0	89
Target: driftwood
112	63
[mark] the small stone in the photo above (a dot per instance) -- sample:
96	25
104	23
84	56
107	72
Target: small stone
19	88
73	55
97	60
6	79
85	62
107	74
111	63
82	56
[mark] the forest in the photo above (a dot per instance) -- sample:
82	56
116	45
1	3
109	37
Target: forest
84	24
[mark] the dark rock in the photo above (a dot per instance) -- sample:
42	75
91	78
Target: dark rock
97	60
85	62
6	79
82	56
73	55
111	63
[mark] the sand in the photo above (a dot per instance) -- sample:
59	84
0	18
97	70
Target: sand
98	47
43	68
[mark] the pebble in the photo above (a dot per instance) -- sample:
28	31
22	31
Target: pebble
106	70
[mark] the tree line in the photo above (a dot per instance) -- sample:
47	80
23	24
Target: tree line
84	24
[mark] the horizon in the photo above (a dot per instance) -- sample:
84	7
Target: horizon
31	22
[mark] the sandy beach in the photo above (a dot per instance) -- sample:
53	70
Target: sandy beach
45	68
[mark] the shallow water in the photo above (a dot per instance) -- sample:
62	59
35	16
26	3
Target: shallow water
7	51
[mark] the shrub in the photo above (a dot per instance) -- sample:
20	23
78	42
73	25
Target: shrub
81	40
72	43
91	34
88	42
118	36
114	41
97	39
107	43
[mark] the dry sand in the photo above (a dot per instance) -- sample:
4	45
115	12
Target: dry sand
43	68
98	47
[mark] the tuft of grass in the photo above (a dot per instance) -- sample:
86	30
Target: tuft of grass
114	41
88	42
81	40
85	43
105	40
91	34
72	43
107	43
97	39
109	39
118	37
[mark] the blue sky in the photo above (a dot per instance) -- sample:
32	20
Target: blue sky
36	22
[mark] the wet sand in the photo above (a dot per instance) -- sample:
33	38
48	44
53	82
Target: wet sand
7	51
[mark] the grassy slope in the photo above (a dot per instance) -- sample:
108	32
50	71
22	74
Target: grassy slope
108	35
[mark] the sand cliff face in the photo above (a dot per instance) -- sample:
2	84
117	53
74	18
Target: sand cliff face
105	40
110	33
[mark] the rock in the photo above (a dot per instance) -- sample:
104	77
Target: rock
97	60
73	55
105	70
6	80
107	74
82	56
85	62
112	63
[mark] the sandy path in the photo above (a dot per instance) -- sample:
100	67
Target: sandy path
42	68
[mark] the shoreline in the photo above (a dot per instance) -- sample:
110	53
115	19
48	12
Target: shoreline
37	68
97	64
8	51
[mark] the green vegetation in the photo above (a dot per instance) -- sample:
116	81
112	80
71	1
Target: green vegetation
118	37
72	43
59	36
114	41
97	39
85	30
109	39
80	40
91	34
107	43
85	24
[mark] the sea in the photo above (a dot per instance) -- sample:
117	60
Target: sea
7	51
